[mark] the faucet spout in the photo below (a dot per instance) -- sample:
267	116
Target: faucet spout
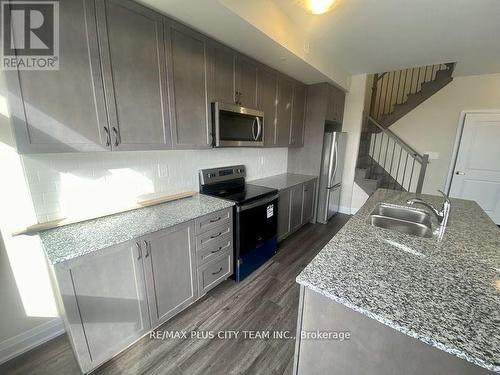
442	214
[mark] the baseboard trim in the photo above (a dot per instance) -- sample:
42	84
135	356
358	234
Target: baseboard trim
19	344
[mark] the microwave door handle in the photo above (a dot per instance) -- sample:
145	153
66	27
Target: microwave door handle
253	129
259	128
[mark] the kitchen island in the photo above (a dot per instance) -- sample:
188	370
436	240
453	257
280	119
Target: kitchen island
408	304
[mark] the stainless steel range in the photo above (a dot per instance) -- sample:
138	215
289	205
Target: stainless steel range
255	215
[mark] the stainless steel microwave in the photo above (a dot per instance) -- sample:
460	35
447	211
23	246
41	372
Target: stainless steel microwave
236	126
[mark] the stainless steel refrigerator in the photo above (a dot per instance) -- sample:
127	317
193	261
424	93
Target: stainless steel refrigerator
330	180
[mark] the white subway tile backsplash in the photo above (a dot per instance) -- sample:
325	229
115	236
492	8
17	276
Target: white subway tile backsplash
65	185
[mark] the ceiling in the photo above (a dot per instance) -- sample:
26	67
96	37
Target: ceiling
358	36
369	36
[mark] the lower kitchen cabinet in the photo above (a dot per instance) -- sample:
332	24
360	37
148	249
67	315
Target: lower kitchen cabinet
296	197
112	297
170	271
309	189
105	303
283	214
295	207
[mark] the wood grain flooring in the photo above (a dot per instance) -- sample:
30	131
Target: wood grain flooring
266	301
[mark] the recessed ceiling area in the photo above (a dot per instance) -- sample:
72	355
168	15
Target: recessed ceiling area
357	36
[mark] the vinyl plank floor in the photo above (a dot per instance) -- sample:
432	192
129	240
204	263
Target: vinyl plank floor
266	301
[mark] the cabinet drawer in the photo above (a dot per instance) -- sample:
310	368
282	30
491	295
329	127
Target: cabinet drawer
214	272
213	236
213	251
213	220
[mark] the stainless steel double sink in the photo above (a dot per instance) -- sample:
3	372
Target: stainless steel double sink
402	219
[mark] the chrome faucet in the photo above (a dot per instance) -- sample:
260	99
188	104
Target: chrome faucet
442	214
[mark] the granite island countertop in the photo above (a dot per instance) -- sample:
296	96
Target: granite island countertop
74	240
443	291
282	181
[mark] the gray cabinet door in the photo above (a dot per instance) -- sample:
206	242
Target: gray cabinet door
104	297
284	111
246	81
267	91
170	271
63	110
133	60
222	59
188	86
309	189
298	114
335	107
296	194
283	214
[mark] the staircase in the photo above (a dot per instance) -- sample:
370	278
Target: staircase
385	160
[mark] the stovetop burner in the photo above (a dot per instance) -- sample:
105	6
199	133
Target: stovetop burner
229	183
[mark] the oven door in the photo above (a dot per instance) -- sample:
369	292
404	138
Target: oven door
237	126
256	222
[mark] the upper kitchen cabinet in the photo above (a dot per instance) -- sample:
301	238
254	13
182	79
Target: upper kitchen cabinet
298	115
222	61
133	61
63	110
188	76
284	111
267	91
245	81
335	106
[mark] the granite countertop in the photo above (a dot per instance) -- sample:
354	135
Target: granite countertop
282	181
443	291
74	240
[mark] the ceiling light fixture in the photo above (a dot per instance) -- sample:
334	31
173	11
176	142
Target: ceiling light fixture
318	6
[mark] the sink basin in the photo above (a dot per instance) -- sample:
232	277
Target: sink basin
402	219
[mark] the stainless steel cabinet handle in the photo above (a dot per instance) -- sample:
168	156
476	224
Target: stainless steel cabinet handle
215	220
147	248
117	137
216	251
460	173
217	235
139	251
108	136
216	273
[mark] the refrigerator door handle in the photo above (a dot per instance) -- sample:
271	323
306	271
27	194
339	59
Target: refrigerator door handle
335	153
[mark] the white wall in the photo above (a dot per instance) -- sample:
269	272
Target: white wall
28	314
432	126
67	185
353	121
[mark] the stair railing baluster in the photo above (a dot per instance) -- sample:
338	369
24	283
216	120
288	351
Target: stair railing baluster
399	163
399	84
411	174
380	148
404	170
392	158
372	156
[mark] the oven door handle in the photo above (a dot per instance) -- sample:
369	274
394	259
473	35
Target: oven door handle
259	202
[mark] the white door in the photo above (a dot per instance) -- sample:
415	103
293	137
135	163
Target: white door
477	170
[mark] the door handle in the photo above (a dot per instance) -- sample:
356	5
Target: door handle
108	136
259	128
139	251
117	136
460	173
